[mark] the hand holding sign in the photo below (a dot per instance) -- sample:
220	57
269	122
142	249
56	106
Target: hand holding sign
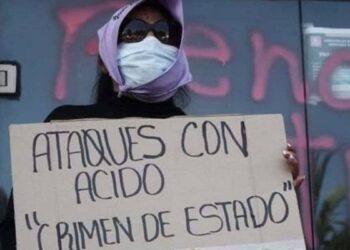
290	155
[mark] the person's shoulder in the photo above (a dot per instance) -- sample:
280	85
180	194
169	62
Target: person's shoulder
113	111
68	112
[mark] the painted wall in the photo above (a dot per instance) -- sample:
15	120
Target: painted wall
246	57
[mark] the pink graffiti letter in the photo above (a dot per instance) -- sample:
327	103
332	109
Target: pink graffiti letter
264	58
220	53
73	20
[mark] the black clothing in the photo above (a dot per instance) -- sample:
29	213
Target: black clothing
7	228
115	109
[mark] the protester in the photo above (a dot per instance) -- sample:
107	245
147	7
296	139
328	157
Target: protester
142	65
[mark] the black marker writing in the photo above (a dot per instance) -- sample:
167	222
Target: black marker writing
75	147
94	147
57	150
101	232
154	226
141	133
213	138
89	185
36	225
43	140
225	215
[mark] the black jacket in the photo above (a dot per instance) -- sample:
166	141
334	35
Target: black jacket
117	108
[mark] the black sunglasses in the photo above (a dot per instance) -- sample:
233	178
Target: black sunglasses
135	30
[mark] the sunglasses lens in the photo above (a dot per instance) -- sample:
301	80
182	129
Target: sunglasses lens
161	30
175	33
134	31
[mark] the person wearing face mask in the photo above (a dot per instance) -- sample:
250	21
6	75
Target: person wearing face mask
142	64
142	67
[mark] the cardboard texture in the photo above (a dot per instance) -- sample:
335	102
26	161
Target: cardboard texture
182	183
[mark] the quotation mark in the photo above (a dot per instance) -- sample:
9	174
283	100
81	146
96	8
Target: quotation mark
37	224
35	218
287	186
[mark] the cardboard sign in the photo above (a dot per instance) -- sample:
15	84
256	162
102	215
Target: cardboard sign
205	182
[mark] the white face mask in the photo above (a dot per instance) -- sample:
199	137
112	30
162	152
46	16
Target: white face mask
143	62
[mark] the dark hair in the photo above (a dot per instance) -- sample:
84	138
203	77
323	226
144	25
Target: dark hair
103	88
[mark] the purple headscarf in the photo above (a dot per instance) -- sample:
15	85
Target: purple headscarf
163	87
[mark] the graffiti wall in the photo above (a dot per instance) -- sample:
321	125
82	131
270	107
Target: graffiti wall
247	57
